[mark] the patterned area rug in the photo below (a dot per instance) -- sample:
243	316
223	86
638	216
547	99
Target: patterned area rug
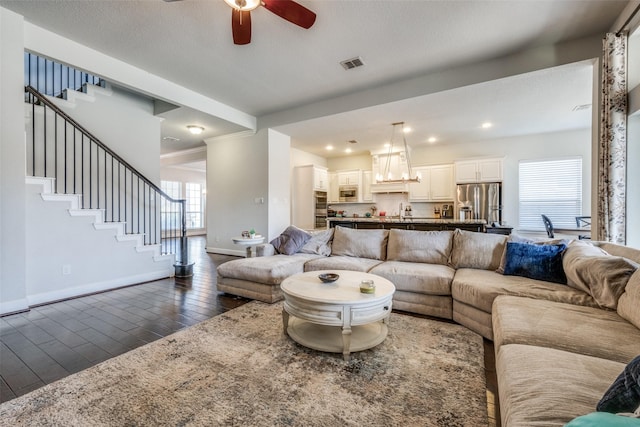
240	369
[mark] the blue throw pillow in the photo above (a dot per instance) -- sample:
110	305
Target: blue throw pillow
624	393
541	262
603	419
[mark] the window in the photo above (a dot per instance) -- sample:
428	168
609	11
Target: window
194	205
170	212
553	188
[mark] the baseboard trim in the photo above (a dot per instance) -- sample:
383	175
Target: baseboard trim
15	306
92	288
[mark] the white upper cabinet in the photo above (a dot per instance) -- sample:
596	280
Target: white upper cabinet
436	184
320	179
481	170
349	178
367	177
334	188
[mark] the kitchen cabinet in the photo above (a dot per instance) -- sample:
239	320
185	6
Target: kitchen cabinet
367	177
320	179
309	196
334	188
480	170
436	184
349	178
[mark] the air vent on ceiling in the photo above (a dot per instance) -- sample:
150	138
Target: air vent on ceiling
170	138
353	141
581	107
348	64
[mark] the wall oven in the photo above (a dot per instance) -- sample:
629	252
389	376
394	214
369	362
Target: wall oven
348	193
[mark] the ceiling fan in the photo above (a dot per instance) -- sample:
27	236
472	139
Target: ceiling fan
286	9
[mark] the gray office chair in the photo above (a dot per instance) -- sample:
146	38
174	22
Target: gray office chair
548	225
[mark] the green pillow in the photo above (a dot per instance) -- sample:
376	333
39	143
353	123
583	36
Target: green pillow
603	419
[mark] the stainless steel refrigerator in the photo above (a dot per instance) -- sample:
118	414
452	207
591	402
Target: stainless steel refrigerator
480	201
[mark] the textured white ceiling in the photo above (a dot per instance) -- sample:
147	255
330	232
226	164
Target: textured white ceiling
189	42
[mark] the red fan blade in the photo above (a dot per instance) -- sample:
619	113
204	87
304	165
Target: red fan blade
291	11
241	26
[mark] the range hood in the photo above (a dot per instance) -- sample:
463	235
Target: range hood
386	187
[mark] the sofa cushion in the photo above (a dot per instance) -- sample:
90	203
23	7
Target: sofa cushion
624	393
594	271
318	244
586	330
541	386
630	300
360	243
432	247
479	288
477	250
431	279
540	262
269	270
341	263
291	240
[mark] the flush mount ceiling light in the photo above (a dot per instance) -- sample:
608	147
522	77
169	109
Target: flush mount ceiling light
406	176
195	130
487	125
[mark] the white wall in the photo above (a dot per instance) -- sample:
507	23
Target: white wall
302	158
95	259
360	161
125	123
12	165
237	175
279	184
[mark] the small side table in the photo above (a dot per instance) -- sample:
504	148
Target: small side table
248	242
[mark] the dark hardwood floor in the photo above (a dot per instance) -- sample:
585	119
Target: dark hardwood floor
52	341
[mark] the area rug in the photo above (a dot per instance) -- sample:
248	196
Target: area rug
239	369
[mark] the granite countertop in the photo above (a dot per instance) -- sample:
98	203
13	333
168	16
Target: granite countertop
418	220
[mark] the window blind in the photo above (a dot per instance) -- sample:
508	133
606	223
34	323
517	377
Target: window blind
552	188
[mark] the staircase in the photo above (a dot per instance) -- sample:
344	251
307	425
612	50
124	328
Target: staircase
74	171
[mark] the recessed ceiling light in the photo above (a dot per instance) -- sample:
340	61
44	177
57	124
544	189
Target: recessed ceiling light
348	150
487	125
407	129
195	130
387	145
432	139
329	147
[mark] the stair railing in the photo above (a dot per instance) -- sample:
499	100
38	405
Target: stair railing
52	78
59	147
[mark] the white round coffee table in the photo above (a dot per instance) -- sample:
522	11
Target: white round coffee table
336	317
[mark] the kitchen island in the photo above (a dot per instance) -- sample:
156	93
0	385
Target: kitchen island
408	223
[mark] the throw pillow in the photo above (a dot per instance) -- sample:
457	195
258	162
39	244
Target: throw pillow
318	244
624	394
540	262
291	240
520	239
594	271
602	419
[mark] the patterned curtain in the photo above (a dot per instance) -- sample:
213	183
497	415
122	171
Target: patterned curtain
613	141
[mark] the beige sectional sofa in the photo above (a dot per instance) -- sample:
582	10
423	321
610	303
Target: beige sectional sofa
558	346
